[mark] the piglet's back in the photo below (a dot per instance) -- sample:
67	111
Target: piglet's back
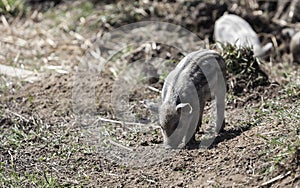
235	30
194	71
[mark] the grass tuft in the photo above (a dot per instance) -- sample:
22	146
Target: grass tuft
283	141
13	7
243	69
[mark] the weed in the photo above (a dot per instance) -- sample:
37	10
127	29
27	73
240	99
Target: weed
243	71
284	143
13	7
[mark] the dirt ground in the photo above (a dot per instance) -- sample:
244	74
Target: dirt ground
89	122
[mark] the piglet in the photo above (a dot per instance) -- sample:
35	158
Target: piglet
233	29
198	77
295	47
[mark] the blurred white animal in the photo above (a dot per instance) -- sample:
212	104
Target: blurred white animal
295	47
233	29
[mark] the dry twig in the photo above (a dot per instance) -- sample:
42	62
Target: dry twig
120	145
276	178
124	123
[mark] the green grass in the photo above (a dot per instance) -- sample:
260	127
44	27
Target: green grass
283	141
15	179
242	67
37	154
12	7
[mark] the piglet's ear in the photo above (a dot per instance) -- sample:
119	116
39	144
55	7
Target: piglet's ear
184	105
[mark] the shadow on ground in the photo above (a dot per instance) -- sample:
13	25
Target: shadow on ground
224	136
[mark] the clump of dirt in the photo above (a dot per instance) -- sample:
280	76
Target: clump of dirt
42	5
155	50
50	97
202	15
